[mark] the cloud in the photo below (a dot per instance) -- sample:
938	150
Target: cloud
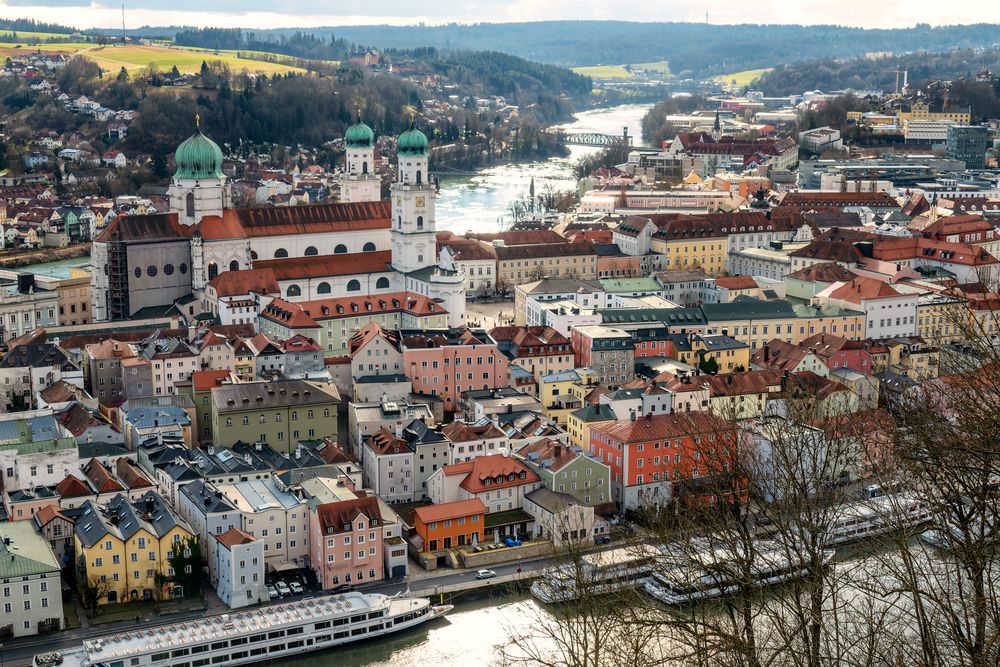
299	13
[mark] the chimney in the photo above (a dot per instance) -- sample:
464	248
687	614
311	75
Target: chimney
631	414
557	451
767	353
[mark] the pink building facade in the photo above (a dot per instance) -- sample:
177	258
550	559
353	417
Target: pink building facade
446	365
345	542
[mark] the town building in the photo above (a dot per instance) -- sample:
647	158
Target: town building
279	413
30	582
239	569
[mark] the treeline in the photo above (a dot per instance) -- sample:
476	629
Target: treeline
656	129
519	81
877	74
693	49
296	44
31	25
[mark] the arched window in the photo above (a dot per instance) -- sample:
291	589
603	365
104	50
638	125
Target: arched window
280	252
399	222
323	288
369	247
213	270
234	265
353	286
382	283
294	290
189	204
253	254
419	181
310	251
340	249
364	167
420	222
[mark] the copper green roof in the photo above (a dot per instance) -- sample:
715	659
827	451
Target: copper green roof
198	157
28	552
359	135
412	142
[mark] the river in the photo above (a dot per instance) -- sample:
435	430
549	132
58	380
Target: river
476	203
467	636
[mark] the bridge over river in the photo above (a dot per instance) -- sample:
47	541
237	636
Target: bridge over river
594	138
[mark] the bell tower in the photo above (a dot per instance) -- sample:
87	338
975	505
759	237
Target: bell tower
414	242
198	186
360	181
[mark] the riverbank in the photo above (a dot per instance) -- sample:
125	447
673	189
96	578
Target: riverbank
479	202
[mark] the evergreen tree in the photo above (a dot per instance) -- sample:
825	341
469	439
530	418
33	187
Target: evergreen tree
122	74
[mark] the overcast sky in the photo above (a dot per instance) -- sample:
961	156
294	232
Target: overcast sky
261	13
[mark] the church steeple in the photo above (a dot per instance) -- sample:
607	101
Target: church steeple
360	183
414	243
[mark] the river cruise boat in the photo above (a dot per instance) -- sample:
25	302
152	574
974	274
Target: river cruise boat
878	516
710	573
255	635
597	573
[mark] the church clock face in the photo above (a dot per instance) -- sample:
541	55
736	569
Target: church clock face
420	202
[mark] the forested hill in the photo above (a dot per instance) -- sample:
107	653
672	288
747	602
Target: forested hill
877	74
692	49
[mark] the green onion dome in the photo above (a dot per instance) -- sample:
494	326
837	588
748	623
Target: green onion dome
198	157
359	135
412	142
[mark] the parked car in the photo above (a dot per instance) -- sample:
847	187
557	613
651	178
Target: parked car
601	539
283	589
272	593
512	542
296	588
343	588
485	574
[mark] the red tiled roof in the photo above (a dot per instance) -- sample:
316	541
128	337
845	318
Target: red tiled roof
833	251
321	266
205	380
654	427
130	474
469	507
234	537
238	283
101	477
778	355
736	282
73	487
894	249
546	449
462	432
305	313
862	287
520	237
334	516
144	227
824	272
310	218
495	467
371	331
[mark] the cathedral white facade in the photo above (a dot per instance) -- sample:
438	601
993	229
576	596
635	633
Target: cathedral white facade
361	245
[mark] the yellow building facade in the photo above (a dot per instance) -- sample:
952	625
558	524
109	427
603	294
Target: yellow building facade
708	253
121	548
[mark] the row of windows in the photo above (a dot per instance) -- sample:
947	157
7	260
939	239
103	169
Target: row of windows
311	251
151	271
325	288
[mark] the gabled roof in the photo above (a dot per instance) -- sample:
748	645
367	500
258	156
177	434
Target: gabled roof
442	512
335	517
863	288
234	537
653	427
824	272
458	431
73	487
548	454
102	478
498	468
239	283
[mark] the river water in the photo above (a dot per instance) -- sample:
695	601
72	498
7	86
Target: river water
468	636
477	203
